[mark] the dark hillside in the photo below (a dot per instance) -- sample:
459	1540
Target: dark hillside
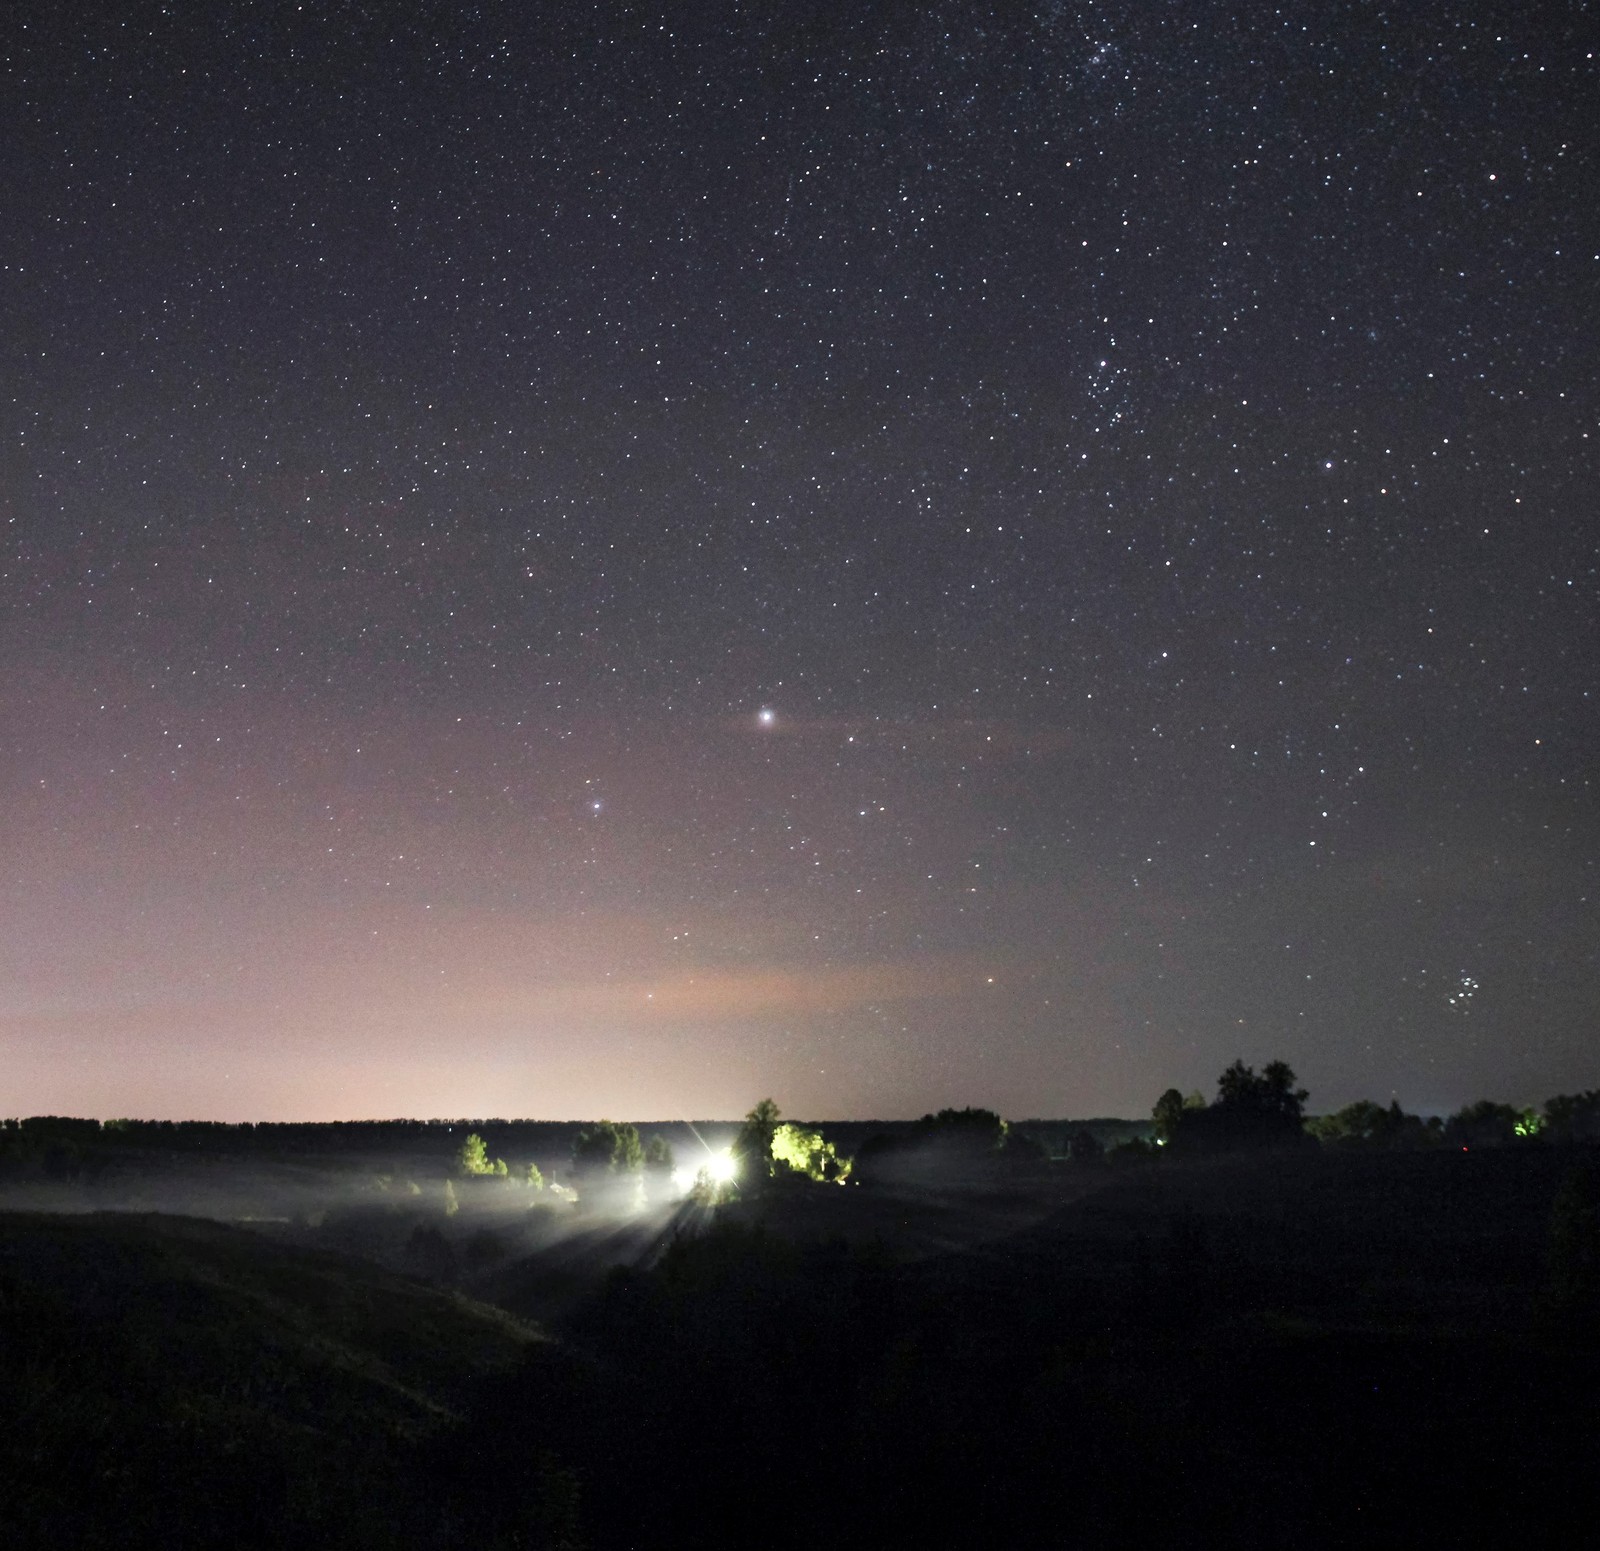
1380	1235
1315	1348
1310	1350
176	1382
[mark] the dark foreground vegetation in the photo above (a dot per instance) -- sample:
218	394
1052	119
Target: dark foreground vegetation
1341	1340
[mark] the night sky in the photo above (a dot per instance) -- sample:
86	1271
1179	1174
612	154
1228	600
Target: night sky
885	555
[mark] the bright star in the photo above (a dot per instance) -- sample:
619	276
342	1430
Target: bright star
766	716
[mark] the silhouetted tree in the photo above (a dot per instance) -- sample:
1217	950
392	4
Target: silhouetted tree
876	1158
1085	1147
1240	1090
1573	1117
752	1147
1484	1124
1170	1109
1021	1154
606	1162
969	1133
1168	1114
608	1147
1250	1110
1367	1126
955	1143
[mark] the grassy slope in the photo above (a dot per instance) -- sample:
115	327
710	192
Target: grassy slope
175	1381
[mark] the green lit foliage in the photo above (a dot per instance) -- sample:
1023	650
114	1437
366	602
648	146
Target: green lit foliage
805	1152
473	1160
1529	1123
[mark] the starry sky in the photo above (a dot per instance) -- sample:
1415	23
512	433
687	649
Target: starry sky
619	559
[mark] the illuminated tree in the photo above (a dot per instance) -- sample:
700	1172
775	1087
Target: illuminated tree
805	1152
473	1160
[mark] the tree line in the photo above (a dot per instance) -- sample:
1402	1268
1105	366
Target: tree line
1267	1109
612	1160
